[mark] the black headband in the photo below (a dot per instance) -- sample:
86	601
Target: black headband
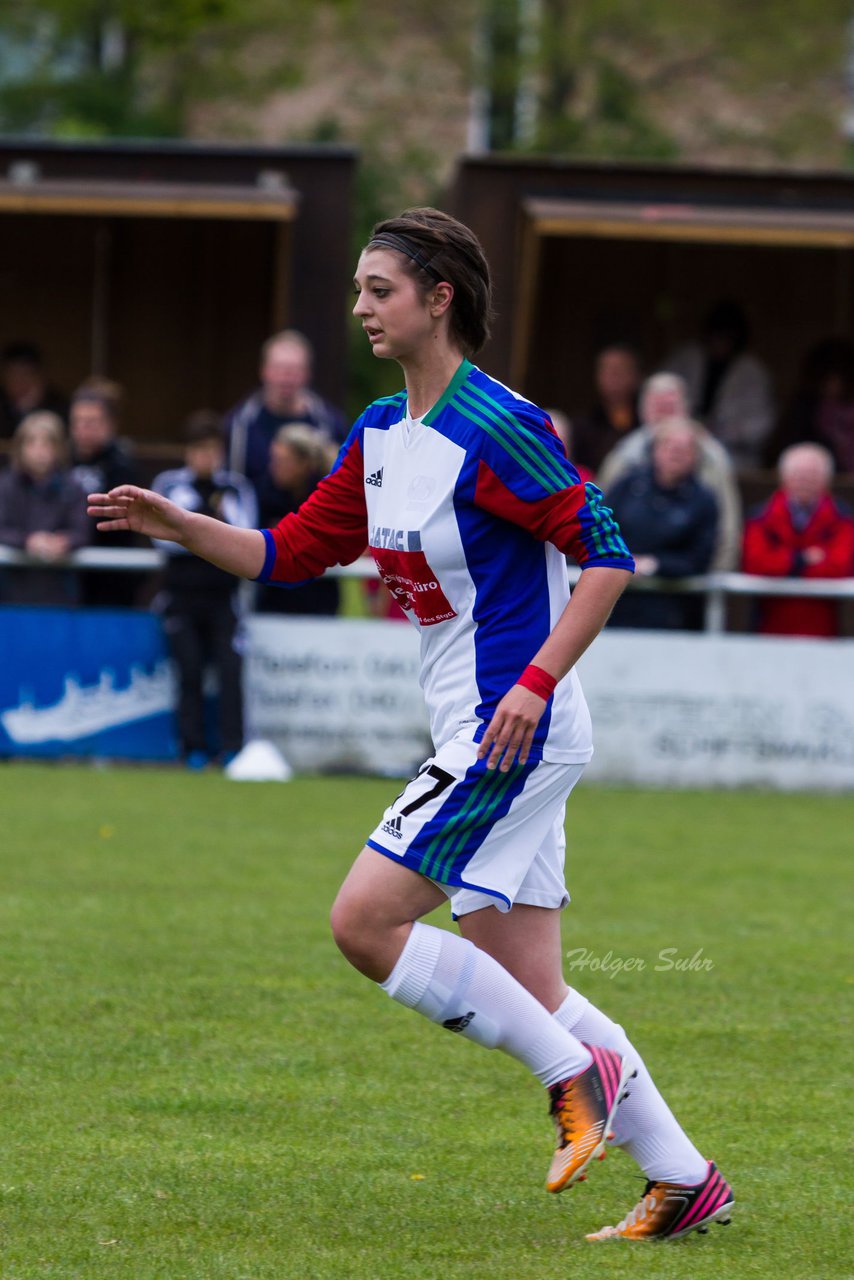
387	240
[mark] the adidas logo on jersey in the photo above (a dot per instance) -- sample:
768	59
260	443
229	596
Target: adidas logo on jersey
376	478
392	828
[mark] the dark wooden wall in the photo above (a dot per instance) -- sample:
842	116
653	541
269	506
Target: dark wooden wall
654	295
189	300
589	291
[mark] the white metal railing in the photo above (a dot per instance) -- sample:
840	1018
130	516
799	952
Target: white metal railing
716	587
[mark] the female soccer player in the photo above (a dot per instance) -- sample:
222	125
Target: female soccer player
464	495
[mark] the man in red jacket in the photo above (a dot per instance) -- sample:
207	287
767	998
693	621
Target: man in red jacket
800	533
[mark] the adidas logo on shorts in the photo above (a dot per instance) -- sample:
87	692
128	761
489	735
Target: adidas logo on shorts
392	828
375	479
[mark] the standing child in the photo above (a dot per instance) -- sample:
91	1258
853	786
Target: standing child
199	602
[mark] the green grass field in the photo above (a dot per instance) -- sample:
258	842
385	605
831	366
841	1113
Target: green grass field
197	1087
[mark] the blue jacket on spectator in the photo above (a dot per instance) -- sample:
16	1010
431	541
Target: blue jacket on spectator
677	525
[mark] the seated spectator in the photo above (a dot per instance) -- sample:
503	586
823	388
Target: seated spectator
100	462
729	388
664	396
800	533
669	521
199	602
299	459
284	396
43	512
24	387
615	410
822	409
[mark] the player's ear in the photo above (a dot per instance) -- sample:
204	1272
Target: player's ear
441	298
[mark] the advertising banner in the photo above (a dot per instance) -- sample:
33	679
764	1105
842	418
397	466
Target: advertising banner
342	695
337	694
679	710
85	682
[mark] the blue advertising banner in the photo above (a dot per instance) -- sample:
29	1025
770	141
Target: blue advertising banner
85	682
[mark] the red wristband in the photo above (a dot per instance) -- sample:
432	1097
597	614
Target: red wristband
538	681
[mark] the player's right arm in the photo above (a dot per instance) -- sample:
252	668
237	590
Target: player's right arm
329	528
238	551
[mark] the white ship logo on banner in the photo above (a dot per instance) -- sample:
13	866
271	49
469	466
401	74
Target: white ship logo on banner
86	709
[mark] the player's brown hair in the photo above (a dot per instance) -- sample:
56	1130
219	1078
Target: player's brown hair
437	247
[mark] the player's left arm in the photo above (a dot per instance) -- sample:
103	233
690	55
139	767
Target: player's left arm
511	730
550	502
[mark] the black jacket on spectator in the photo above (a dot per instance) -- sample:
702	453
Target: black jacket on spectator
187	579
676	525
54	505
321	595
251	427
112	466
594	436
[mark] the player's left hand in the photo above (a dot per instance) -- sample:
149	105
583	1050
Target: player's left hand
511	730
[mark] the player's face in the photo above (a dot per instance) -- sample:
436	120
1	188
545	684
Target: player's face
394	313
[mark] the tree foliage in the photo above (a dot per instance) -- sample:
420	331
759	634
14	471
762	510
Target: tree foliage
599	71
603	78
134	67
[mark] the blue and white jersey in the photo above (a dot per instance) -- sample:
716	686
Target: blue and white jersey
469	513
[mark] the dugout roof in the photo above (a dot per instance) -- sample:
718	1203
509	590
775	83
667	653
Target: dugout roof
165	266
587	254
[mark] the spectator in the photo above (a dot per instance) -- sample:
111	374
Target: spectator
669	521
664	396
199	602
24	387
615	410
299	459
728	387
284	396
100	462
822	409
800	533
42	511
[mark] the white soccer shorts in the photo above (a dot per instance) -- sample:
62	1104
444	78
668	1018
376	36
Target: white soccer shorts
485	837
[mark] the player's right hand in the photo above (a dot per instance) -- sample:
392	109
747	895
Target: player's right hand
129	508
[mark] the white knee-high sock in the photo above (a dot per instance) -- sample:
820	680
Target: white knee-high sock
644	1124
452	982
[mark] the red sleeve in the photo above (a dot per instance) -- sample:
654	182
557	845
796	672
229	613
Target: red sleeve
331	526
574	519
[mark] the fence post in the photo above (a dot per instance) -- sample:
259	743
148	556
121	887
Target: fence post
714	611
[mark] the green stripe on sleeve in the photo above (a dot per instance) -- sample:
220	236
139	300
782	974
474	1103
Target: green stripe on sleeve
544	481
504	419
